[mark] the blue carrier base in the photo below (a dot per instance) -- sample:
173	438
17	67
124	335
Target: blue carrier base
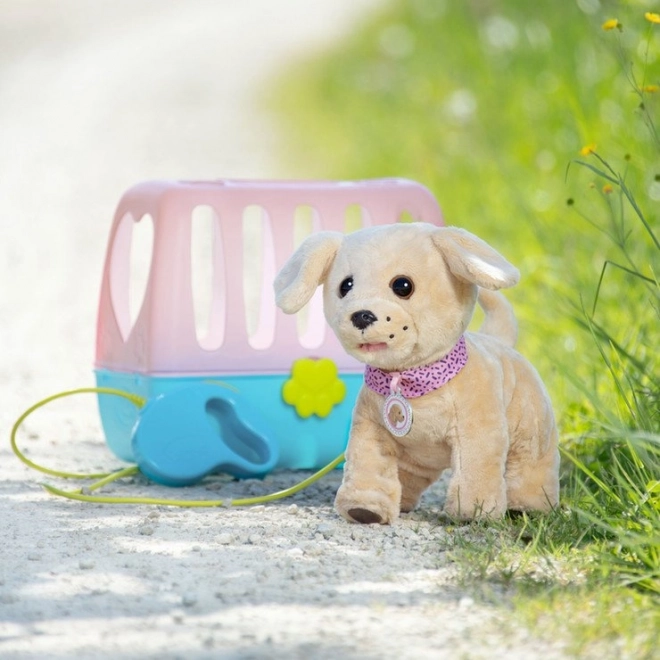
302	443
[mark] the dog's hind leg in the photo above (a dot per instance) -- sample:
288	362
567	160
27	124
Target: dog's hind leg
532	466
533	486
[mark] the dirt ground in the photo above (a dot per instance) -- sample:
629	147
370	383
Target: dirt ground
94	97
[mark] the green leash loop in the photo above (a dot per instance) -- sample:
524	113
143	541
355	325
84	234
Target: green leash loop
137	400
103	479
81	496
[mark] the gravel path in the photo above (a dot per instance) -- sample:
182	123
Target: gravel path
94	97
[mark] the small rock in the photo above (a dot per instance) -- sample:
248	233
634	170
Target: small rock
8	599
262	576
326	530
292	509
86	564
224	539
33	556
189	600
146	530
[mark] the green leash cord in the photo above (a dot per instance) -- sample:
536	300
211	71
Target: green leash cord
85	494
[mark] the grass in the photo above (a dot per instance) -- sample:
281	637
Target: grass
536	129
549	571
554	588
557	595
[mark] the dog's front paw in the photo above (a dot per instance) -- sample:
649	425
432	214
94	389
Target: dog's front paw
364	516
367	507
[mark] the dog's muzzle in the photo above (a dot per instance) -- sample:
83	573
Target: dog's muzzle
363	319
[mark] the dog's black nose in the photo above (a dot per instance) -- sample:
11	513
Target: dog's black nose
363	319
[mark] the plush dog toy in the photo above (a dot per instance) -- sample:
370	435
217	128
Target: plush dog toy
399	298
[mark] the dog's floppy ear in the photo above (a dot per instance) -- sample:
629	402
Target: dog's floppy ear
472	259
305	270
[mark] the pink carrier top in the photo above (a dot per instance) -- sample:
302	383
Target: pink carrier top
252	228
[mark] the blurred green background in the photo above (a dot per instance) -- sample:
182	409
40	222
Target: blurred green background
488	102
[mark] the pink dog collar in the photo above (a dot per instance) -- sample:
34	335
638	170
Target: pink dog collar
416	382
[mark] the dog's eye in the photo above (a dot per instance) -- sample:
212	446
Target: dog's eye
345	286
402	286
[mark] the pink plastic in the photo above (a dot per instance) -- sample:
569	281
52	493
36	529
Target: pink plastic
163	339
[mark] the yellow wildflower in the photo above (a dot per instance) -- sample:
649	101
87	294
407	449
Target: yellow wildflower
607	189
612	24
587	149
651	89
652	16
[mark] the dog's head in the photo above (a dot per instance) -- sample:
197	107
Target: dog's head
397	296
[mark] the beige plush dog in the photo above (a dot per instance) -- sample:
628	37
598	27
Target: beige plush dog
399	298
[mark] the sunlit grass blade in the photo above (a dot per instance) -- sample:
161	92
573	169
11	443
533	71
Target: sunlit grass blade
630	271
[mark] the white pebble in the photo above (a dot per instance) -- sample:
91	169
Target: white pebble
465	603
313	549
